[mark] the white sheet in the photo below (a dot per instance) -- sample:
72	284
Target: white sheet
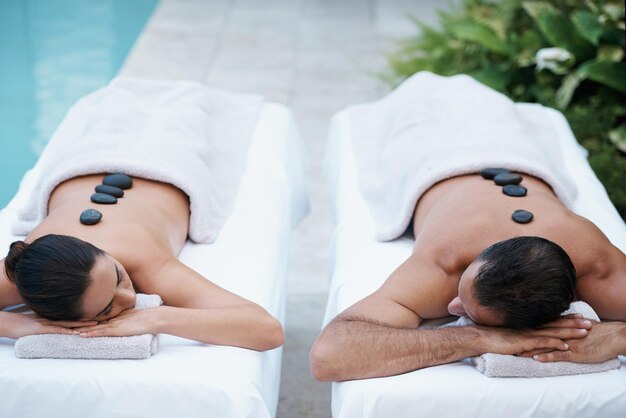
186	378
359	265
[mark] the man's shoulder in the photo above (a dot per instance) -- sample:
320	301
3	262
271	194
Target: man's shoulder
450	256
585	243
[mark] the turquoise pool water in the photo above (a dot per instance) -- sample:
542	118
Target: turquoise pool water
52	52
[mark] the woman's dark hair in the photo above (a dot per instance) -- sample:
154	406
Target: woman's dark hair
530	280
52	274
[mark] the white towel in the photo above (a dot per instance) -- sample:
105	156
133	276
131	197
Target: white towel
77	347
500	365
180	132
432	128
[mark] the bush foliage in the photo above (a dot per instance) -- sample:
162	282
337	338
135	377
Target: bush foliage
566	54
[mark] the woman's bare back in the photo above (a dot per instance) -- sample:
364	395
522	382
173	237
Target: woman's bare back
151	219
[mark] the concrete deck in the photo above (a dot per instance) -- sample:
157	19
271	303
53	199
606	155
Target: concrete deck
315	56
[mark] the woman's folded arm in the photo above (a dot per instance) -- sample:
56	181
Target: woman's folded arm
194	308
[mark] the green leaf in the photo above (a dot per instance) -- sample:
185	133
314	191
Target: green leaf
476	32
496	79
587	26
560	32
614	9
530	40
543	94
618	137
606	72
569	85
610	53
536	8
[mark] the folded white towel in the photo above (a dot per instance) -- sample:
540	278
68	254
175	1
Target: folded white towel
181	133
431	128
76	347
499	365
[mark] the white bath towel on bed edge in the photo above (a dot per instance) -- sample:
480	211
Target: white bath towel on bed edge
177	132
431	128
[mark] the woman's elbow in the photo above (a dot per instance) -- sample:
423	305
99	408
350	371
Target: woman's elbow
269	334
275	334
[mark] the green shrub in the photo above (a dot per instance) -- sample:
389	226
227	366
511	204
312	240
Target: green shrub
566	54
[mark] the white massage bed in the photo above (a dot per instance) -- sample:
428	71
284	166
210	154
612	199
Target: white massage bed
186	378
359	265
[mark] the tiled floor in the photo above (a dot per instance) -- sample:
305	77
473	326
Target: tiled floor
315	56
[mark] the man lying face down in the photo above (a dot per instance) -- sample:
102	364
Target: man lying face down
512	279
523	282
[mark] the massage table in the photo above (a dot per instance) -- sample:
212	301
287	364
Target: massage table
359	265
187	378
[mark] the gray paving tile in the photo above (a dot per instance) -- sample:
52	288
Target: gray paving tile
333	9
178	41
301	395
317	56
270	86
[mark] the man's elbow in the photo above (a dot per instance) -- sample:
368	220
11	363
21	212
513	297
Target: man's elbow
324	362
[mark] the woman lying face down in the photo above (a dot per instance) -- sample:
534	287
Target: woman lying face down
80	289
66	279
81	279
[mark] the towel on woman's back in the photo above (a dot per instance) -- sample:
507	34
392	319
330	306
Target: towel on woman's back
77	347
500	365
432	128
181	133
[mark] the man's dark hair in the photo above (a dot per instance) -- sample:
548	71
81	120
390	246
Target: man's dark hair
530	280
52	274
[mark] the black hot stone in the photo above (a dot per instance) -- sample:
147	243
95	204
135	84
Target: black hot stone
112	190
118	180
105	199
522	216
490	173
90	217
507	178
514	190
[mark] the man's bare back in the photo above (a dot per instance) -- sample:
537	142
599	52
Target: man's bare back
458	218
454	222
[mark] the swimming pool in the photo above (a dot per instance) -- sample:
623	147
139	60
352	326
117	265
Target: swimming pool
52	52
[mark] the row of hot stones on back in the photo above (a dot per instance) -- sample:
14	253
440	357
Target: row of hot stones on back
107	193
113	187
510	182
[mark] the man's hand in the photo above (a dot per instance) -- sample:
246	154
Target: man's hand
606	340
567	321
20	325
556	335
129	322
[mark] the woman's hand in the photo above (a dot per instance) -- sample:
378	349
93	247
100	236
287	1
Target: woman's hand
129	322
19	325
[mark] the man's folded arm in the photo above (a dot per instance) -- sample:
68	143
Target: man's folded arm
378	335
353	347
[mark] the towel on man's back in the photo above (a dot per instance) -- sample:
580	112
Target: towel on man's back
501	365
431	128
179	132
107	348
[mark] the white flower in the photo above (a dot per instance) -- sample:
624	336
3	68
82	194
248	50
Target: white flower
557	60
